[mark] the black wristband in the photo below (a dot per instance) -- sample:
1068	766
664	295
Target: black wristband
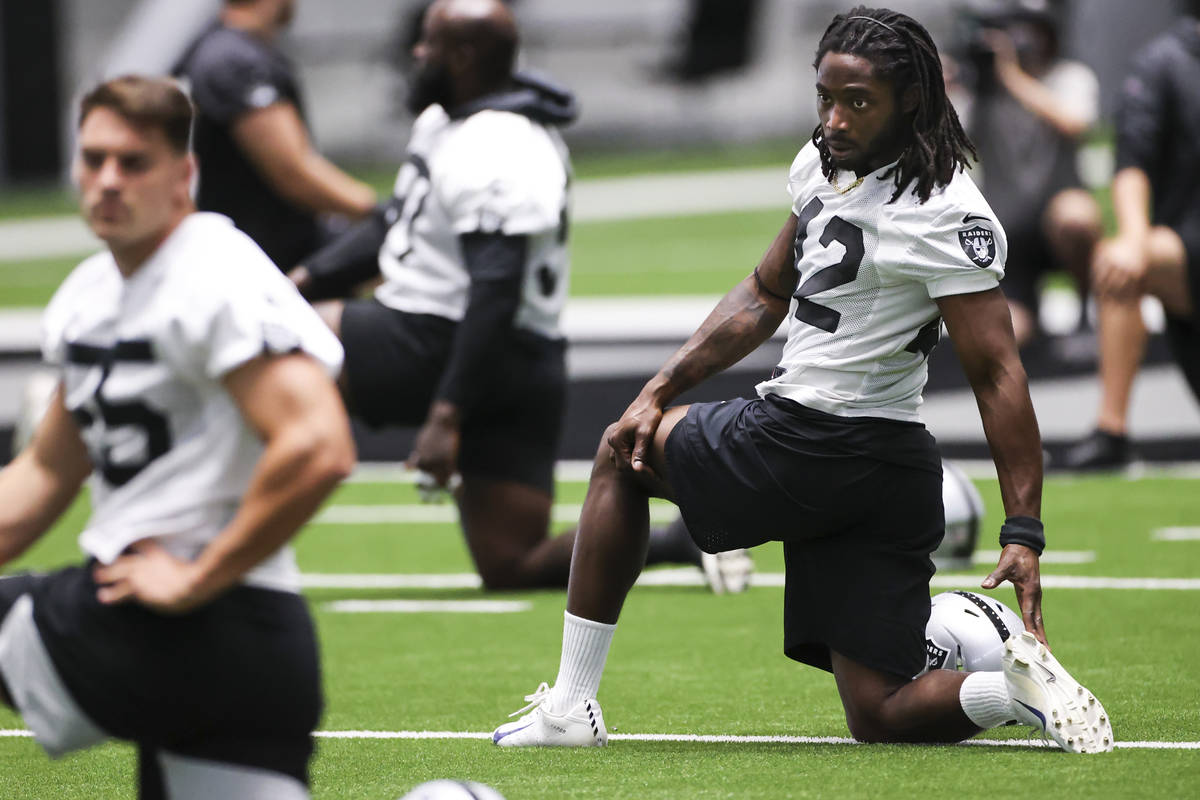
1024	530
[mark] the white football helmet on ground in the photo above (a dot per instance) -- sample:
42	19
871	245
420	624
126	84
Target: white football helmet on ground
452	790
967	631
964	513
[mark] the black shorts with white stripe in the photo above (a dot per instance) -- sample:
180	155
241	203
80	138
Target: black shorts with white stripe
234	684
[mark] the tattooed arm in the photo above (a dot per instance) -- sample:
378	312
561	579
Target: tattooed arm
744	319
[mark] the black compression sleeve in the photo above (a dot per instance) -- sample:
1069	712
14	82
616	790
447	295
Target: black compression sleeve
497	266
352	257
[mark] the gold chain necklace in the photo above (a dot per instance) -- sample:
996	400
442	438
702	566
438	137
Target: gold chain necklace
851	187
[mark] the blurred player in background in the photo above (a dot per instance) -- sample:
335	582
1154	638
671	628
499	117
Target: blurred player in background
1156	251
196	391
257	163
463	337
1030	109
887	237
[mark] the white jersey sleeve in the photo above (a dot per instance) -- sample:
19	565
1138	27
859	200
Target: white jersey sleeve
955	252
238	313
1076	89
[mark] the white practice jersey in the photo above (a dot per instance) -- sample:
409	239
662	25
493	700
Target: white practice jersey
492	172
142	360
863	320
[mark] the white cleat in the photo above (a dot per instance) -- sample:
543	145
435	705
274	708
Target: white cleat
728	572
1046	697
581	726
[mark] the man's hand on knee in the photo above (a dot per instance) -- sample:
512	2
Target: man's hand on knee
1119	269
632	436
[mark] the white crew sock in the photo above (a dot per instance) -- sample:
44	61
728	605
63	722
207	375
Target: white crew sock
985	700
584	651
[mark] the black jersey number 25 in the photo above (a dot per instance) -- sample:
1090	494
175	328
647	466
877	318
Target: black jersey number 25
850	236
131	414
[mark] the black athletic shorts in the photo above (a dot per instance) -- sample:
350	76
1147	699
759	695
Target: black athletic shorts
857	504
394	364
235	682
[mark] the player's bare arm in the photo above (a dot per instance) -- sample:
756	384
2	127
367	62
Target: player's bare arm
40	483
296	410
1120	264
981	328
275	141
745	318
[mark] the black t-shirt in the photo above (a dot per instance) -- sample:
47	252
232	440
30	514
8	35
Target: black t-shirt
231	73
1158	125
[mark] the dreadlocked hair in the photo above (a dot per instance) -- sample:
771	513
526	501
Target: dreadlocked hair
903	53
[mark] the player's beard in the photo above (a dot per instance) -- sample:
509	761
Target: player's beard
430	83
885	148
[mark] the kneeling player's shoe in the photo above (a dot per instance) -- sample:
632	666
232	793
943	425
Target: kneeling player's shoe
1098	451
727	572
581	726
1046	697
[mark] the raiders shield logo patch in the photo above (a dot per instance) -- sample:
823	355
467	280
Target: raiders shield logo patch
979	243
935	656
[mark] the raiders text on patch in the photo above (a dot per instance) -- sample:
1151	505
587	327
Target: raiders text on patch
979	243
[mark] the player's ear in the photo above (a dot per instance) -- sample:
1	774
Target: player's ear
189	174
910	98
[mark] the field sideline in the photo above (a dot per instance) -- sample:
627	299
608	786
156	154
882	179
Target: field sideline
699	698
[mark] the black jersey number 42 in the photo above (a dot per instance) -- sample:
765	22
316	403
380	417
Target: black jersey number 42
850	236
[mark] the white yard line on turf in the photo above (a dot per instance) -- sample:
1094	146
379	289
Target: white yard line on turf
982	469
700	738
428	606
1176	535
447	512
688	576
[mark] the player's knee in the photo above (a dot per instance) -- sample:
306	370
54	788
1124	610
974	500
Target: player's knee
604	453
1082	233
1075	215
869	726
502	577
1166	270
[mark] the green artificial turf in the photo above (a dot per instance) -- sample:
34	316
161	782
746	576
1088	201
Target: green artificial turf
687	662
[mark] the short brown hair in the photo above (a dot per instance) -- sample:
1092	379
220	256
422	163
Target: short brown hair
155	103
